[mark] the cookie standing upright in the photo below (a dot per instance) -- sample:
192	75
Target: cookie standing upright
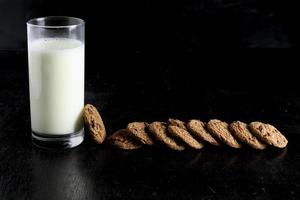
197	129
159	131
138	131
269	134
220	130
241	132
93	121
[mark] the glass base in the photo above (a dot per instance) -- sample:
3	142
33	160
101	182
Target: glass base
58	141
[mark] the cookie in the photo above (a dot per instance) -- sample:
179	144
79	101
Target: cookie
159	131
268	134
219	130
184	136
242	133
137	130
176	122
122	139
94	123
197	129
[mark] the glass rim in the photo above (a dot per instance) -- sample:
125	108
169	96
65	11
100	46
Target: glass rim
31	22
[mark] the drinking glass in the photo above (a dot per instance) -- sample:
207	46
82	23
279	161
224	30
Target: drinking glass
56	80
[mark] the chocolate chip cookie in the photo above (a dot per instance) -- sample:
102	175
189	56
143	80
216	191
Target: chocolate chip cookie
242	133
122	139
159	131
94	123
184	136
197	129
268	134
137	130
220	130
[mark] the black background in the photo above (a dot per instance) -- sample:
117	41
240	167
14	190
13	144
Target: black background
166	42
161	26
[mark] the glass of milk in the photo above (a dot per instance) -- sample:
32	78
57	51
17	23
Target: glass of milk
56	80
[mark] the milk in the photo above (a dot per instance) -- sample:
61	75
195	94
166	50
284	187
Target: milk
56	80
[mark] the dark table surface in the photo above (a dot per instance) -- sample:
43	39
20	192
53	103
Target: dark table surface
99	172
